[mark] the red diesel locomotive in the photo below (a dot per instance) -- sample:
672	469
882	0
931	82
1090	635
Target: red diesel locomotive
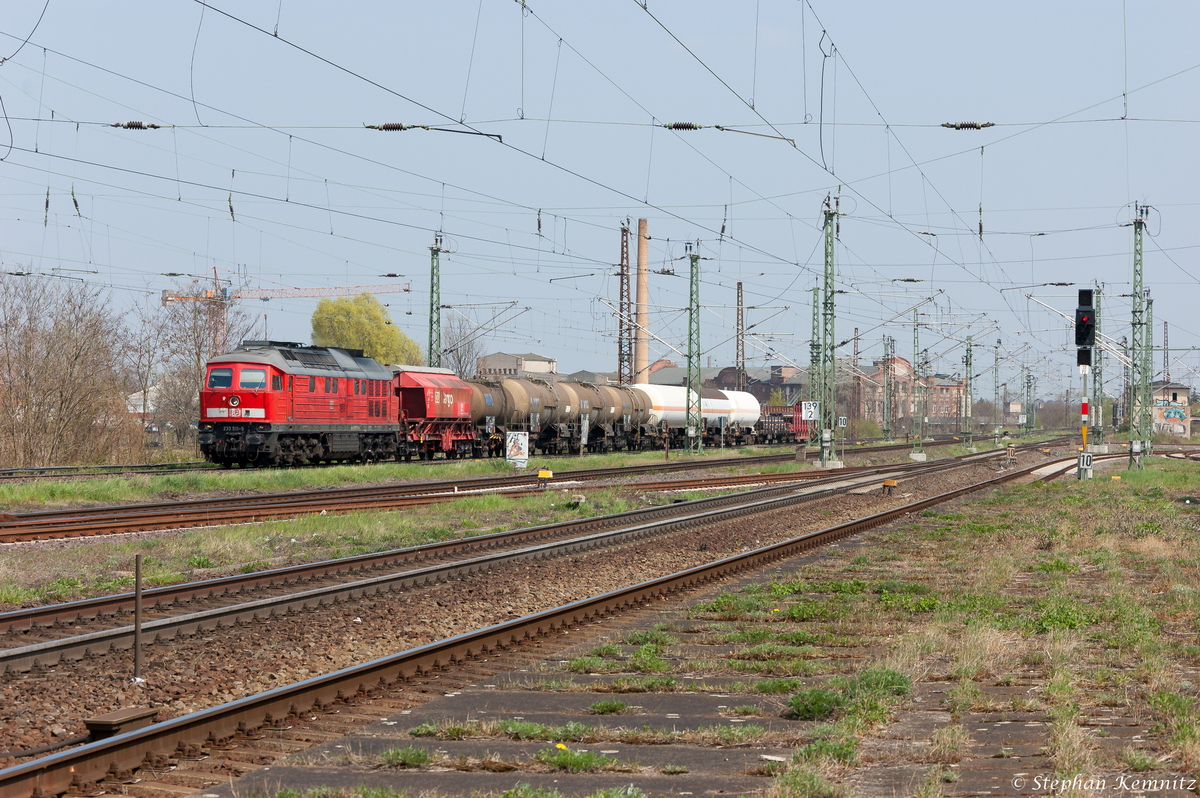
275	403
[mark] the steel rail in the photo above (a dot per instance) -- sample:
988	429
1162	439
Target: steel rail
90	645
57	524
47	654
280	708
468	483
71	613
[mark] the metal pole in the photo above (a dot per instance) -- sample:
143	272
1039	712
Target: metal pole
695	411
1096	408
815	388
967	399
625	326
1148	382
828	337
996	395
1138	419
918	388
434	357
858	410
741	341
1028	400
887	388
137	617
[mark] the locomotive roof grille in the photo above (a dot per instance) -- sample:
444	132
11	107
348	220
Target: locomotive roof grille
316	359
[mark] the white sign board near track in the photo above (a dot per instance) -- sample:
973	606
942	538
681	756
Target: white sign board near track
810	411
516	449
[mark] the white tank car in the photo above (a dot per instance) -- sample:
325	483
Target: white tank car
669	403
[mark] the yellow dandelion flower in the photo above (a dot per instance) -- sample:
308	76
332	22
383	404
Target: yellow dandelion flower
560	745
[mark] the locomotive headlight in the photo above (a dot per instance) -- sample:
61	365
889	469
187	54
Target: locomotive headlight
234	401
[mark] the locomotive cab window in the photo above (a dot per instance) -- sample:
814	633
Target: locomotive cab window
276	382
356	387
253	379
220	378
312	384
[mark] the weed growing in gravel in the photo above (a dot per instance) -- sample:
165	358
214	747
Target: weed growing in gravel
650	684
776	685
586	665
573	761
524	790
816	703
1137	759
731	735
767	651
732	606
948	742
646	660
526	730
607	707
342	792
838	749
627	791
409	757
658	636
606	650
805	781
446	731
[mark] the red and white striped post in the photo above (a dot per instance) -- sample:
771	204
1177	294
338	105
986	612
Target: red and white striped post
1085	421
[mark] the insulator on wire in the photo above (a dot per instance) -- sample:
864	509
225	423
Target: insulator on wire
682	126
968	125
390	126
136	125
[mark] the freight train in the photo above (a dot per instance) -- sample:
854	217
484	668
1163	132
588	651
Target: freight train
271	403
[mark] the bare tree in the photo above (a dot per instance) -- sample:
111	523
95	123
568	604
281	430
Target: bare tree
60	375
462	345
143	353
195	330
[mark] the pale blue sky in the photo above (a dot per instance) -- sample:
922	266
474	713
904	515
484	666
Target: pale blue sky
250	118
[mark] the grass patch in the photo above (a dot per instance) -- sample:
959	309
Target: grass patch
607	707
657	636
586	665
409	757
776	685
572	761
646	660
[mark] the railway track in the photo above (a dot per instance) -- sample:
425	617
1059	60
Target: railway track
238	724
570	537
34	473
120	519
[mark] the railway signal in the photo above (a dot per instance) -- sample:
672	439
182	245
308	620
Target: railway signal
1085	320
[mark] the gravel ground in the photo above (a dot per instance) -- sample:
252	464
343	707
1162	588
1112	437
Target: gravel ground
188	675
